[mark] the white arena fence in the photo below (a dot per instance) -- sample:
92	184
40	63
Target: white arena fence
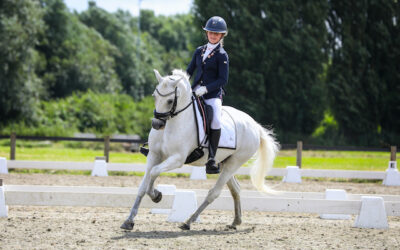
129	167
298	202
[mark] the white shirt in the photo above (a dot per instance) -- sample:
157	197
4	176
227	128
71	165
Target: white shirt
209	48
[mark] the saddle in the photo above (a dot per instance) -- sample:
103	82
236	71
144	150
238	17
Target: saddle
206	113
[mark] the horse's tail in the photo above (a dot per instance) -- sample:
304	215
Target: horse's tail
266	153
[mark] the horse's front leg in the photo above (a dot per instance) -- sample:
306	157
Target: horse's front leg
152	160
172	162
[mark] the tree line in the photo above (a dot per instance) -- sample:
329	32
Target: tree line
323	71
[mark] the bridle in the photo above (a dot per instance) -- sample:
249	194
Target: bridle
172	112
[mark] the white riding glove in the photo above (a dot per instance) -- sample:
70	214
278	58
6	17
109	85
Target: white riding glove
201	91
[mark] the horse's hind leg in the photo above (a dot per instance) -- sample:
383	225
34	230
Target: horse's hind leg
228	169
234	187
211	196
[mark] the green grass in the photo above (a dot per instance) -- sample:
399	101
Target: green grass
62	152
345	160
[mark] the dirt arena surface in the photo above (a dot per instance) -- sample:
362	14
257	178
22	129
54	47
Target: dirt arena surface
29	227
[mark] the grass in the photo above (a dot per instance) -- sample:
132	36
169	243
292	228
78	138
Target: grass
81	152
343	160
66	152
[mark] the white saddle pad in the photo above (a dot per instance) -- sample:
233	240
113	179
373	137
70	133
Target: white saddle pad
228	130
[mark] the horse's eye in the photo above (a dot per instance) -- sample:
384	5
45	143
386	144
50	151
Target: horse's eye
170	101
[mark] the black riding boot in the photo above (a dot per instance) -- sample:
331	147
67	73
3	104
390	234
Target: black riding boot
211	167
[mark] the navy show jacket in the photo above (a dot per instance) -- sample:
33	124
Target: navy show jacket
212	73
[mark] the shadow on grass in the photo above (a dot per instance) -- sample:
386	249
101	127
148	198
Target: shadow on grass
177	234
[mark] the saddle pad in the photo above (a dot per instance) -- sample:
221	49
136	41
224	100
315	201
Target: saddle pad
228	130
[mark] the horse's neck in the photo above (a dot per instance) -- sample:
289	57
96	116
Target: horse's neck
181	125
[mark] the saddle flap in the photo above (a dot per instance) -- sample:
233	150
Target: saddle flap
228	126
206	114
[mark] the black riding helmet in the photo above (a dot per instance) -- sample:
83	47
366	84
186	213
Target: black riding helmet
216	24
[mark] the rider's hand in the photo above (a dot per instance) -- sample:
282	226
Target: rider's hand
201	91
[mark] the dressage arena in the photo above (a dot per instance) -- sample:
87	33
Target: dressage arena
59	227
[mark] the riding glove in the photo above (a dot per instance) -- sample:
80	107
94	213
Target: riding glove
201	91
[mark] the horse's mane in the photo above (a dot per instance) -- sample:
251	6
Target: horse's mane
184	75
179	72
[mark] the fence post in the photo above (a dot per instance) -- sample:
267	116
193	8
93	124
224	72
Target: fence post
393	150
13	139
299	150
106	147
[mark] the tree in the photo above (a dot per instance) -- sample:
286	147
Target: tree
134	67
276	51
20	24
77	57
177	35
173	32
364	77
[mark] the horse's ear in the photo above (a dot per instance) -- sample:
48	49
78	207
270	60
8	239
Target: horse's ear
158	76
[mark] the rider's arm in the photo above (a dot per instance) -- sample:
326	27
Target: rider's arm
192	65
223	72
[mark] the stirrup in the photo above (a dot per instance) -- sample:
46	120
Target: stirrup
211	167
144	150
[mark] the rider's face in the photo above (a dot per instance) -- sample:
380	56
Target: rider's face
214	37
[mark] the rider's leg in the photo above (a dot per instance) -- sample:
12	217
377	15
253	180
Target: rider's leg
215	134
211	166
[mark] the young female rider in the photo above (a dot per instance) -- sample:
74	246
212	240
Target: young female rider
212	65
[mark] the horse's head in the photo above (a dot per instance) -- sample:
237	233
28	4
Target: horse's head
171	97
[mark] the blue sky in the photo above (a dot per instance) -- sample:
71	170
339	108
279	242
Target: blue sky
160	7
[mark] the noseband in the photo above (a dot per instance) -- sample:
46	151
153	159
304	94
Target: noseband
166	115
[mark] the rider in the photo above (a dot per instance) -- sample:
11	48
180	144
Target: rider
212	65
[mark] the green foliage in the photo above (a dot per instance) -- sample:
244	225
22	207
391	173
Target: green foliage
173	32
48	53
20	24
102	114
364	77
328	132
54	128
76	57
136	56
276	58
326	72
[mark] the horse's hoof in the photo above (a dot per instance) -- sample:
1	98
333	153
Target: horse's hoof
231	227
128	225
158	197
184	226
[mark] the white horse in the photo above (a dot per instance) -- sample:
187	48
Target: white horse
173	137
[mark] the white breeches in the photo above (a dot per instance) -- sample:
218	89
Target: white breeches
216	104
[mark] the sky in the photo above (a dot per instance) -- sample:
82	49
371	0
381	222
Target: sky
160	7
